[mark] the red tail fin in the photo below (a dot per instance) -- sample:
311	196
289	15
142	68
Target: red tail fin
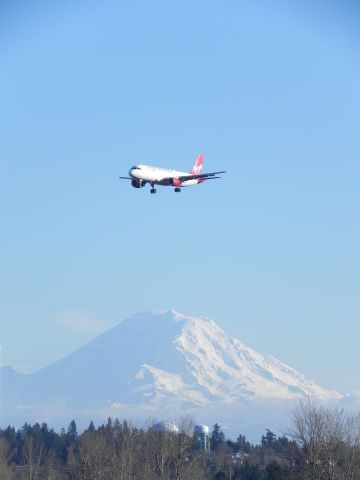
198	165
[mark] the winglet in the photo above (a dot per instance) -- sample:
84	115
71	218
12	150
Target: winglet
198	165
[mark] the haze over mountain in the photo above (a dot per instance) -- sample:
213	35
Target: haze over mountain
160	363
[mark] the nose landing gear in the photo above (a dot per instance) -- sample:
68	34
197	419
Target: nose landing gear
152	189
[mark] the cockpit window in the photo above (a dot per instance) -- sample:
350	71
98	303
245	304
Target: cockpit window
135	167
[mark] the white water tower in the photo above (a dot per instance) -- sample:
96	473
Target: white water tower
202	432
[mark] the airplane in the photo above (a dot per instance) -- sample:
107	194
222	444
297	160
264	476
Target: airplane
140	175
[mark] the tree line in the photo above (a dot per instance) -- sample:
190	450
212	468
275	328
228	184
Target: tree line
320	444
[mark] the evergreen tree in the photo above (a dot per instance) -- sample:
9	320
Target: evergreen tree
72	433
269	439
109	424
91	427
217	436
10	436
242	444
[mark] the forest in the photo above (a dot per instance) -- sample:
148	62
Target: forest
320	444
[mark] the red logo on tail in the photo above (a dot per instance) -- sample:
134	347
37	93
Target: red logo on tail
198	165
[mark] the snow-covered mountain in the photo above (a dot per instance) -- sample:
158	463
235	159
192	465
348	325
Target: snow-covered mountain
157	363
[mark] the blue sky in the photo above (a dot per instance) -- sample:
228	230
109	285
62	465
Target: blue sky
267	90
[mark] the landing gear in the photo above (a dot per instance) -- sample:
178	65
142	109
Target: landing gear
177	189
152	189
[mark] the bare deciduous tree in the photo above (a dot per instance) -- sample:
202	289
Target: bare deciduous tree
34	453
93	456
179	444
6	473
350	458
330	441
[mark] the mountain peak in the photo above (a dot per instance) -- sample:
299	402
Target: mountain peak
161	359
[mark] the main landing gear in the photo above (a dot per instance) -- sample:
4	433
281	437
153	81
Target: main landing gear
153	189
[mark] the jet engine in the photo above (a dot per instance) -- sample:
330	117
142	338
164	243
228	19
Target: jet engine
138	183
175	182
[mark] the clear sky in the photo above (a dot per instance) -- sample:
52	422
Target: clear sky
267	90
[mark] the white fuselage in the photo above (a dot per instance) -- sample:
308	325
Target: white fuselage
159	176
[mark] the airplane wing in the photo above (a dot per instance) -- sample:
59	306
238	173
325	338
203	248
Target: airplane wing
125	178
205	176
